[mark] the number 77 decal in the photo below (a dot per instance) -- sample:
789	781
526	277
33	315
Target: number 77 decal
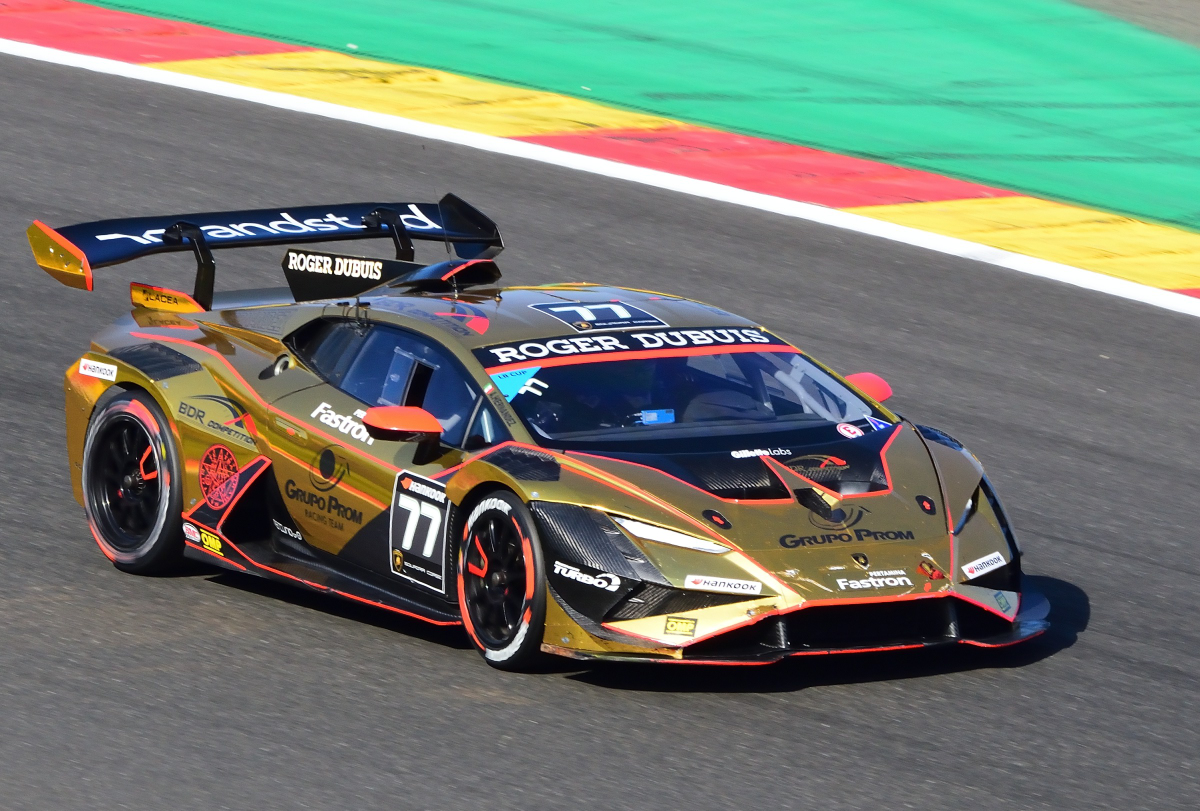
419	507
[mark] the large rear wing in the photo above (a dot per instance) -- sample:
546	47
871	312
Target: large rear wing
72	252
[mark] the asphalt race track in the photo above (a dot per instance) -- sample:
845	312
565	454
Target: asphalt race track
209	691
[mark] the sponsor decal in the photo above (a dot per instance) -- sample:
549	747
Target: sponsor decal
887	578
841	518
726	585
220	415
417	531
286	530
717	518
603	580
983	565
931	571
191	533
333	265
680	626
818	467
212	543
862	560
501	407
748	454
848	430
861	534
599	316
927	505
516	381
1002	601
94	368
656	416
286	224
158	298
878	425
622	342
324	509
343	424
472	317
218	476
328	469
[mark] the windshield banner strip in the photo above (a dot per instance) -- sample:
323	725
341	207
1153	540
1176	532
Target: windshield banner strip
572	349
645	354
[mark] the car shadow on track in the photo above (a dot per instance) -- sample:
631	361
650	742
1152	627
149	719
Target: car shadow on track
451	637
1070	612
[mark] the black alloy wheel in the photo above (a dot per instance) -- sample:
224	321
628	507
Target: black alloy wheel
126	490
502	591
131	484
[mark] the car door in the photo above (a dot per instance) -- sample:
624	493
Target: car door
374	503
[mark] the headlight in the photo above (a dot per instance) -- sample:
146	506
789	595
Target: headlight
650	532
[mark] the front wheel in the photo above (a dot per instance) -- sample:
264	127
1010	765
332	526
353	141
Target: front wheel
502	582
131	485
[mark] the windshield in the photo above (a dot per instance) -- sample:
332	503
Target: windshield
735	391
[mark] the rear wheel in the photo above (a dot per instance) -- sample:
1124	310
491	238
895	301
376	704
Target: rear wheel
502	582
131	485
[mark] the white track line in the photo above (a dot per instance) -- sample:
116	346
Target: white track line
1089	280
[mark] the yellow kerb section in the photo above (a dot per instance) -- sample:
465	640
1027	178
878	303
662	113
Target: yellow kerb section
432	96
1153	255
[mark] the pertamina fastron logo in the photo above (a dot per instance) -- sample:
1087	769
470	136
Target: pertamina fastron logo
342	423
887	578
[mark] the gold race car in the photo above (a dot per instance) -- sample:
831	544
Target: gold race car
593	472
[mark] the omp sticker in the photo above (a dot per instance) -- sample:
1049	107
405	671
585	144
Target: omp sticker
212	543
727	585
511	383
680	626
984	565
94	368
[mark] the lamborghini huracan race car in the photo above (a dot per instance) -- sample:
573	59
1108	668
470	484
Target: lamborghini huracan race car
594	472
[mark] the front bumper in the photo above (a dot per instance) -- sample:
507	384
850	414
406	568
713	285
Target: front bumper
824	630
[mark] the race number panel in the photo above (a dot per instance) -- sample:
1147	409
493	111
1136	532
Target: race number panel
418	530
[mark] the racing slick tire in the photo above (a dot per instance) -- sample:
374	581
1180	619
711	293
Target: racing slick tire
502	582
132	486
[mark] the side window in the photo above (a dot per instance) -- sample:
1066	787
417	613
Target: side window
328	347
397	368
486	429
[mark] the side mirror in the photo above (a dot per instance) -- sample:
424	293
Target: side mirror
871	385
401	422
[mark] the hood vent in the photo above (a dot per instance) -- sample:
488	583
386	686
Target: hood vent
748	479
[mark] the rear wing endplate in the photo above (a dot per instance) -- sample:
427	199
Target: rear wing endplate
71	253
